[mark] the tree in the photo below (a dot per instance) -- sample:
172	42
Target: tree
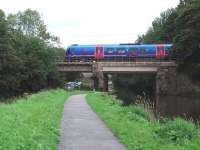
162	30
186	41
180	26
27	57
10	64
30	24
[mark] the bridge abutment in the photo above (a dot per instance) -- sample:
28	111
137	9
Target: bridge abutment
166	84
100	78
166	81
102	81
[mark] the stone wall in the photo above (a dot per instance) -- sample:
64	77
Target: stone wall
166	81
100	78
185	85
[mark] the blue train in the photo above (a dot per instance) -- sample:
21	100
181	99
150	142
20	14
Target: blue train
117	52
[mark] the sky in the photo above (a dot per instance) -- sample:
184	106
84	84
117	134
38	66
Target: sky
94	21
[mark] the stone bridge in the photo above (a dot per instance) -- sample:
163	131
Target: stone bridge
165	72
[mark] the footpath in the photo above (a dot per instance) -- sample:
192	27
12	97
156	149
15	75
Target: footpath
81	128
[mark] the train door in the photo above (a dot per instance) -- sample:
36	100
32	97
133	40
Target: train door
160	51
99	54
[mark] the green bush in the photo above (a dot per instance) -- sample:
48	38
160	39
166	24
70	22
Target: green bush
177	130
85	88
196	94
128	86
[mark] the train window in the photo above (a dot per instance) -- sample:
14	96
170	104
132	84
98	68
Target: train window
133	49
143	50
72	51
121	50
68	50
168	48
85	51
110	50
160	48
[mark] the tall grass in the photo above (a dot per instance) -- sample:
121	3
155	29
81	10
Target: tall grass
135	128
32	123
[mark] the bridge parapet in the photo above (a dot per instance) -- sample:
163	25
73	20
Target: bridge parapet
115	67
74	66
156	63
131	67
148	63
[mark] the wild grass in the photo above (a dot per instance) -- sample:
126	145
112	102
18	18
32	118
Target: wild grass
134	127
196	94
32	122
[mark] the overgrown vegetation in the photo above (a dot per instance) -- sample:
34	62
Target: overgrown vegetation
196	94
32	122
178	131
27	54
128	87
138	131
180	26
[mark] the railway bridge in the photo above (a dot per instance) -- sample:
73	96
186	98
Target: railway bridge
165	72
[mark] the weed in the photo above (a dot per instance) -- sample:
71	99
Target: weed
177	130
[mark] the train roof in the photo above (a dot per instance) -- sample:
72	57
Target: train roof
119	45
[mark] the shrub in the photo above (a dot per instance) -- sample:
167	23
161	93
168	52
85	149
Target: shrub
177	130
85	88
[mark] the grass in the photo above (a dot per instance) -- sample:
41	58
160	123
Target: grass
134	127
196	94
32	123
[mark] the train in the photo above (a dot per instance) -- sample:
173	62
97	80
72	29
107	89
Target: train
117	52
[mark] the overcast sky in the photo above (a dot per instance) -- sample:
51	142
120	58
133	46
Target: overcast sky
94	21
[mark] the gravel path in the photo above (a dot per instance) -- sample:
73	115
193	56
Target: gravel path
81	129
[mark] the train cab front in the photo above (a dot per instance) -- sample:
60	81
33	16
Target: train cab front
68	54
